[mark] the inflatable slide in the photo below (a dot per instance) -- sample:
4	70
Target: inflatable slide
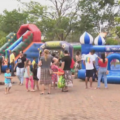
27	39
10	39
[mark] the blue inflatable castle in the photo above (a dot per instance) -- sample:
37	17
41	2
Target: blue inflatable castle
99	46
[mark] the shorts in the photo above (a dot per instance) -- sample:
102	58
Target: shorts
8	85
35	78
89	73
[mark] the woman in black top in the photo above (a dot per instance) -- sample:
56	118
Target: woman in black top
35	77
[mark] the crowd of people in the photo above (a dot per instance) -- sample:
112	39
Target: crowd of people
96	67
42	73
45	72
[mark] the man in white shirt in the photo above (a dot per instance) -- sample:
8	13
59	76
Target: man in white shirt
89	61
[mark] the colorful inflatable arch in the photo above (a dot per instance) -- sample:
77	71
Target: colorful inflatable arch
57	45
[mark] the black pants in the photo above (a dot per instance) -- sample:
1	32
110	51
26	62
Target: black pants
8	65
95	74
12	69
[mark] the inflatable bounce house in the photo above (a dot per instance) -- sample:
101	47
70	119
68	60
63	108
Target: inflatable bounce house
27	39
99	46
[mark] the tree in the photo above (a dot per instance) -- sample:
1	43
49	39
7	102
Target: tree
101	12
10	21
68	19
56	21
2	38
111	41
117	19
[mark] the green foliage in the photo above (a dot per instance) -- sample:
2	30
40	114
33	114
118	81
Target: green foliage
63	19
2	38
100	12
2	41
12	20
111	41
56	21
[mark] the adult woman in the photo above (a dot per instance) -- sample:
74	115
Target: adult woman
102	69
45	62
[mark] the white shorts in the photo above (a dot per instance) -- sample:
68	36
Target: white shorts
8	85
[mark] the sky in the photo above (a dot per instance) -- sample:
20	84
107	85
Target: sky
13	4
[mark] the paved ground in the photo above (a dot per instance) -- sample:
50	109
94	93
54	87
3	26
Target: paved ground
78	104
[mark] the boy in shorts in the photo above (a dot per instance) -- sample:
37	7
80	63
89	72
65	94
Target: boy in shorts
89	61
7	81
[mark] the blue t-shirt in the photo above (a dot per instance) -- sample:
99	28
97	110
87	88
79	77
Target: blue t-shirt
6	79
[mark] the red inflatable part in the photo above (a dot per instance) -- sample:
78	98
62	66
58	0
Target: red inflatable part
31	27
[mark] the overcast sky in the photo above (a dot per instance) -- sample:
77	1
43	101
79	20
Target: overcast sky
12	4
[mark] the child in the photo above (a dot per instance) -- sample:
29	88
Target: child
7	81
35	76
33	62
28	75
54	68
